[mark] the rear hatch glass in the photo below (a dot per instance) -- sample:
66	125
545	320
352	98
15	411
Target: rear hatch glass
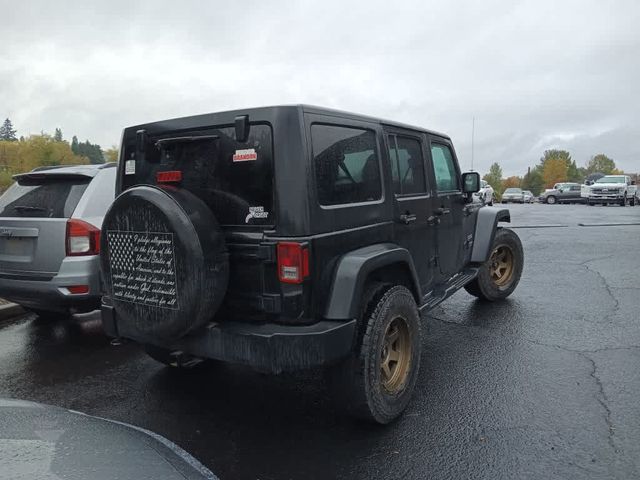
235	179
45	197
33	222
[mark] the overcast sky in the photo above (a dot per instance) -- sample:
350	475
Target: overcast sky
535	74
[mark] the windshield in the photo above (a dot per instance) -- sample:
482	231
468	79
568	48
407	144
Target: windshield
611	180
513	190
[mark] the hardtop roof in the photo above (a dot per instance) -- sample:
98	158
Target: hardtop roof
210	118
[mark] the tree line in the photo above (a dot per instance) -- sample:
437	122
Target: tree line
22	154
555	166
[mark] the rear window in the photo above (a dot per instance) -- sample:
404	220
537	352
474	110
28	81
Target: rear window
234	179
346	163
44	198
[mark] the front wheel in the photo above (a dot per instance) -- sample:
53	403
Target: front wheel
376	383
499	276
551	200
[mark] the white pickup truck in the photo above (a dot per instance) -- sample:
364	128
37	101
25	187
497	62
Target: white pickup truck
618	189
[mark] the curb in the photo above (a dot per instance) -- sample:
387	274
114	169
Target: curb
10	310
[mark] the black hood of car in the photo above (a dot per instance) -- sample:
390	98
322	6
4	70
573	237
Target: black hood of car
43	442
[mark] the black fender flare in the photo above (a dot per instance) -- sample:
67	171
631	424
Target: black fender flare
485	232
351	274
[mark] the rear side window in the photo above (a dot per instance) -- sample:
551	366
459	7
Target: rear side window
407	165
444	168
44	198
347	164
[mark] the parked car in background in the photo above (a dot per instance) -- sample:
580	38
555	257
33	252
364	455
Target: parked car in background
528	196
619	189
485	194
50	221
513	195
563	193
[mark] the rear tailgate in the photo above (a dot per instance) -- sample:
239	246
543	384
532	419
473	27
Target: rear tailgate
235	180
33	222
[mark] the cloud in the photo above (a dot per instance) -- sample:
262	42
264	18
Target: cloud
535	75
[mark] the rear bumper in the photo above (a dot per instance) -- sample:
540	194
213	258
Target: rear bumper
269	347
52	294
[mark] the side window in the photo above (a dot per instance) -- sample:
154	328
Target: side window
407	165
346	163
444	168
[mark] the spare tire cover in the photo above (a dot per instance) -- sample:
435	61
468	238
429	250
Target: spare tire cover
164	262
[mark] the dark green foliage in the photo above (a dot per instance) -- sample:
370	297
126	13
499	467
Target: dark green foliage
7	132
602	164
533	181
92	151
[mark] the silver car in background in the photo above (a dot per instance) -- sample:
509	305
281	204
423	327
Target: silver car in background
513	195
50	221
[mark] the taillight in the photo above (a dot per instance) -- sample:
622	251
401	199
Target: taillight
78	289
171	176
293	262
82	238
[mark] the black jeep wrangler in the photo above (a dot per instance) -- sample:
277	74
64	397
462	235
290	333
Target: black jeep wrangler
294	236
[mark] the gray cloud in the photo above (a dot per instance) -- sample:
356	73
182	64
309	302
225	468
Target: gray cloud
536	75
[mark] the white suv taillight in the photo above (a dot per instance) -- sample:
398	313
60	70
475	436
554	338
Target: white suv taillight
82	238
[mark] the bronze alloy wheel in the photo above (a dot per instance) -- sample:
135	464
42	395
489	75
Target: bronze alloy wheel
501	265
395	356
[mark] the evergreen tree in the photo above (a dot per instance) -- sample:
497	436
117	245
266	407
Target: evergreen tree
7	132
57	137
74	145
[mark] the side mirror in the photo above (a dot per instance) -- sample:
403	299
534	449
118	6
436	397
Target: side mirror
470	182
242	128
560	190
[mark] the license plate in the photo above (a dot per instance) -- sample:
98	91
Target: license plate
14	246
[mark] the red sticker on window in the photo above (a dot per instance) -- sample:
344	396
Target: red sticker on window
248	155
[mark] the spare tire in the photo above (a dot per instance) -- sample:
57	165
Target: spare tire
164	263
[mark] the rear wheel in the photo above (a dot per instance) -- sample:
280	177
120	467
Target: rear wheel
376	383
499	276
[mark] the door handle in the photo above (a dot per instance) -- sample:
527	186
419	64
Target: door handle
408	218
442	211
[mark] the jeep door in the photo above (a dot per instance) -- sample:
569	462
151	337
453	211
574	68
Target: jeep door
448	207
414	223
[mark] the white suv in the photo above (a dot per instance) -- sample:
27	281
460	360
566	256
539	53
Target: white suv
485	194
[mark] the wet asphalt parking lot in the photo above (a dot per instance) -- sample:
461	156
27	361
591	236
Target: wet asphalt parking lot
543	385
